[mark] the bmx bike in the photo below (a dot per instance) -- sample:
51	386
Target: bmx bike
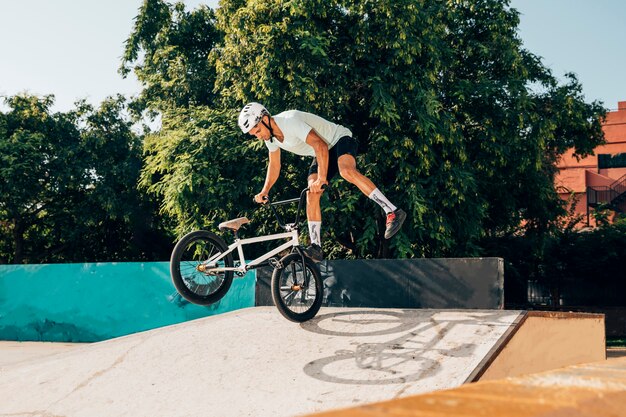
202	266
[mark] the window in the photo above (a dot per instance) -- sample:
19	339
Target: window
606	160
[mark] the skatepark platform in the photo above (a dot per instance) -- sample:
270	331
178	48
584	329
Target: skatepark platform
252	362
592	390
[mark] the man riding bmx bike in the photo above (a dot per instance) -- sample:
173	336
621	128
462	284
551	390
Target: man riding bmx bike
333	150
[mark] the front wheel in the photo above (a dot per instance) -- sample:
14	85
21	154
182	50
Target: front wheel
297	288
192	275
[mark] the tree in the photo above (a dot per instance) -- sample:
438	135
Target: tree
35	148
68	185
514	118
174	45
122	221
194	165
457	122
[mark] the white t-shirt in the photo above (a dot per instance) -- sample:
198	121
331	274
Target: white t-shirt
296	125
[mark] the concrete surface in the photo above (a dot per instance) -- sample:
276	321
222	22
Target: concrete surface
252	362
15	352
591	390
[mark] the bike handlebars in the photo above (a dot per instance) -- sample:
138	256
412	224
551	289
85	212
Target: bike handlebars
267	200
300	201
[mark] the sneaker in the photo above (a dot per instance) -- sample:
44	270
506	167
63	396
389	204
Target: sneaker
314	252
394	222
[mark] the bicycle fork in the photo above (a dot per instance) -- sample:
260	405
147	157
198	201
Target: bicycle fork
305	278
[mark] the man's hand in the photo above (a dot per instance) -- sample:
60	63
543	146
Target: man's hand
316	186
261	197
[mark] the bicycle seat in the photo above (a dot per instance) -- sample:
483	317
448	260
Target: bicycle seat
234	224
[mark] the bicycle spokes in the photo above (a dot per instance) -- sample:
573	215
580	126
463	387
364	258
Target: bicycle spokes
193	267
295	288
196	272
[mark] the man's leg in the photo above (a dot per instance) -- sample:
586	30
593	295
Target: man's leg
314	217
349	171
314	213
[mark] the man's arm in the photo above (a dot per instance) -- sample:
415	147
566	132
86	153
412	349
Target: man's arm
273	172
321	154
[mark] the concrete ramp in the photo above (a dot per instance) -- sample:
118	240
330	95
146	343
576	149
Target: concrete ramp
591	390
252	362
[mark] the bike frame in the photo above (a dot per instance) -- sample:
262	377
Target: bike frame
291	234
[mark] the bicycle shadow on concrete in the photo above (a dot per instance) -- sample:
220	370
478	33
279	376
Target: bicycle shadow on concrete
400	346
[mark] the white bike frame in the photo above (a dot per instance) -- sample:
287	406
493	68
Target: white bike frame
211	263
211	266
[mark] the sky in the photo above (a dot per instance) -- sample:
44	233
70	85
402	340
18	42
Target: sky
72	49
585	37
68	48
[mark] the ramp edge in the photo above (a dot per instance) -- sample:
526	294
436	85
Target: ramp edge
498	347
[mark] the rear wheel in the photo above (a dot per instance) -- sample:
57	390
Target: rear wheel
297	288
191	275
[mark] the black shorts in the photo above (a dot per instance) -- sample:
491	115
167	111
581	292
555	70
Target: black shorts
345	145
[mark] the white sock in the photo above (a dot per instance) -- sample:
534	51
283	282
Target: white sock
382	201
315	232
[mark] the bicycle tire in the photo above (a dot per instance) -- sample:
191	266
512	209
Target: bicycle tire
302	304
193	285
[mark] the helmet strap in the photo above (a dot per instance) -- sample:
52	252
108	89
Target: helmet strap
269	127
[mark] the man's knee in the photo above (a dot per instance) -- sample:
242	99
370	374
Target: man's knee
349	174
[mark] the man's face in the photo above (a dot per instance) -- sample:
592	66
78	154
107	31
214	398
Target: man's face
260	131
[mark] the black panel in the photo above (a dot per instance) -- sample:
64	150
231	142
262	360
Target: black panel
475	283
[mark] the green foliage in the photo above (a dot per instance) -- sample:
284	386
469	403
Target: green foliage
283	54
194	164
566	261
67	187
35	148
457	122
174	45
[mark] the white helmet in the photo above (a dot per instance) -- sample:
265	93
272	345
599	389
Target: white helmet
250	115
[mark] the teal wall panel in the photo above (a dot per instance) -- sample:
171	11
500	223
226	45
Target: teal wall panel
97	301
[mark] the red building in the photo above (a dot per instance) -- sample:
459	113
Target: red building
599	179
